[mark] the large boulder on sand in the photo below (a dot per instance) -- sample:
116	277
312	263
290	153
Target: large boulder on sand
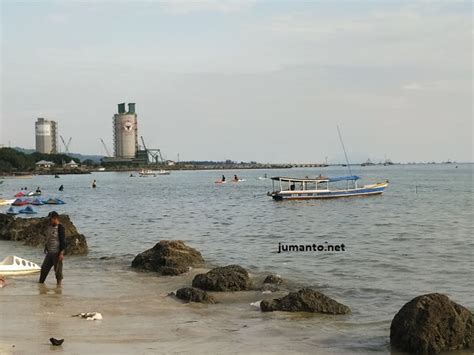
168	257
227	278
33	231
191	294
432	323
305	300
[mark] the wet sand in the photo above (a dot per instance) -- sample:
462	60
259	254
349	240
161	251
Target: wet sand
141	318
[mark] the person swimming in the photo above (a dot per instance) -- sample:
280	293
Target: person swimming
94	184
61	188
223	178
236	178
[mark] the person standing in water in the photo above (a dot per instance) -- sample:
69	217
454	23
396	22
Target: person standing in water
54	249
61	188
223	178
94	184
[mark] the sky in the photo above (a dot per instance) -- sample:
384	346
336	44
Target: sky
265	81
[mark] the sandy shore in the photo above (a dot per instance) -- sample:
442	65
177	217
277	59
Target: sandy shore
141	318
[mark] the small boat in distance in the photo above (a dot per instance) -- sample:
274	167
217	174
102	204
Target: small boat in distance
13	265
146	172
53	201
367	163
28	210
303	189
12	212
163	172
20	202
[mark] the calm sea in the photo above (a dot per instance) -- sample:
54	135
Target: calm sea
415	239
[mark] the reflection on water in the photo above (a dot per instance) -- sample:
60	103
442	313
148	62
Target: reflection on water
407	242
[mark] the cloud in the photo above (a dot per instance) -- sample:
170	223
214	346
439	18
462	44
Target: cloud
183	7
57	18
414	86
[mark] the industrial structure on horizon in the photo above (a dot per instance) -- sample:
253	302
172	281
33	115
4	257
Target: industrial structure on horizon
46	134
125	136
125	132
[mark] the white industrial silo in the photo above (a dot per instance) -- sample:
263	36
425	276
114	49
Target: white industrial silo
125	132
46	134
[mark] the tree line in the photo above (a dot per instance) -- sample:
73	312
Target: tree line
12	160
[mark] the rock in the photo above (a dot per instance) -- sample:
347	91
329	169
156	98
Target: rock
192	294
273	279
168	257
32	231
432	323
89	315
227	278
56	342
305	300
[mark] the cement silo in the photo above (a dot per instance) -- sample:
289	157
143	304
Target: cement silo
125	132
46	133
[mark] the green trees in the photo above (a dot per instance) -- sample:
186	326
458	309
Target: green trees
12	160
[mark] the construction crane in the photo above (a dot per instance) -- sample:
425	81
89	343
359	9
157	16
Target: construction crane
155	154
66	146
105	147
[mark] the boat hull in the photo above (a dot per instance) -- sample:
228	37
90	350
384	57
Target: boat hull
372	190
15	266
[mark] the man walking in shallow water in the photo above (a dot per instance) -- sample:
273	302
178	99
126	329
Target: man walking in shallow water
54	249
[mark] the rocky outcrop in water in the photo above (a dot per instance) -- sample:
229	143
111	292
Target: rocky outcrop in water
32	231
273	280
191	294
227	278
272	283
432	323
305	300
168	257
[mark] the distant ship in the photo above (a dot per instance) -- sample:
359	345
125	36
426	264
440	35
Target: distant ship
367	163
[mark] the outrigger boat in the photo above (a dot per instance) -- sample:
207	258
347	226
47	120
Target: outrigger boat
286	188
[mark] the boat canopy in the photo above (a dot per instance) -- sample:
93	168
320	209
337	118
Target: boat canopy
318	179
344	178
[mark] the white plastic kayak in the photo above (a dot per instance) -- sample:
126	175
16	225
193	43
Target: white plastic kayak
13	265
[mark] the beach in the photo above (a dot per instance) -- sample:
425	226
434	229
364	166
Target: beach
397	246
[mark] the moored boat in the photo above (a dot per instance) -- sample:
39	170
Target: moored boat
28	210
4	202
20	202
163	172
13	265
37	202
287	188
11	211
146	172
54	201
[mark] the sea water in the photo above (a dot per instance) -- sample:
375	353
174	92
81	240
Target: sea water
416	238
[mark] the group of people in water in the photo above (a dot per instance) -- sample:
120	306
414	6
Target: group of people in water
235	179
61	188
37	191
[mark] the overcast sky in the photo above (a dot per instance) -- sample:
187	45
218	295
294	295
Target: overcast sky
245	80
